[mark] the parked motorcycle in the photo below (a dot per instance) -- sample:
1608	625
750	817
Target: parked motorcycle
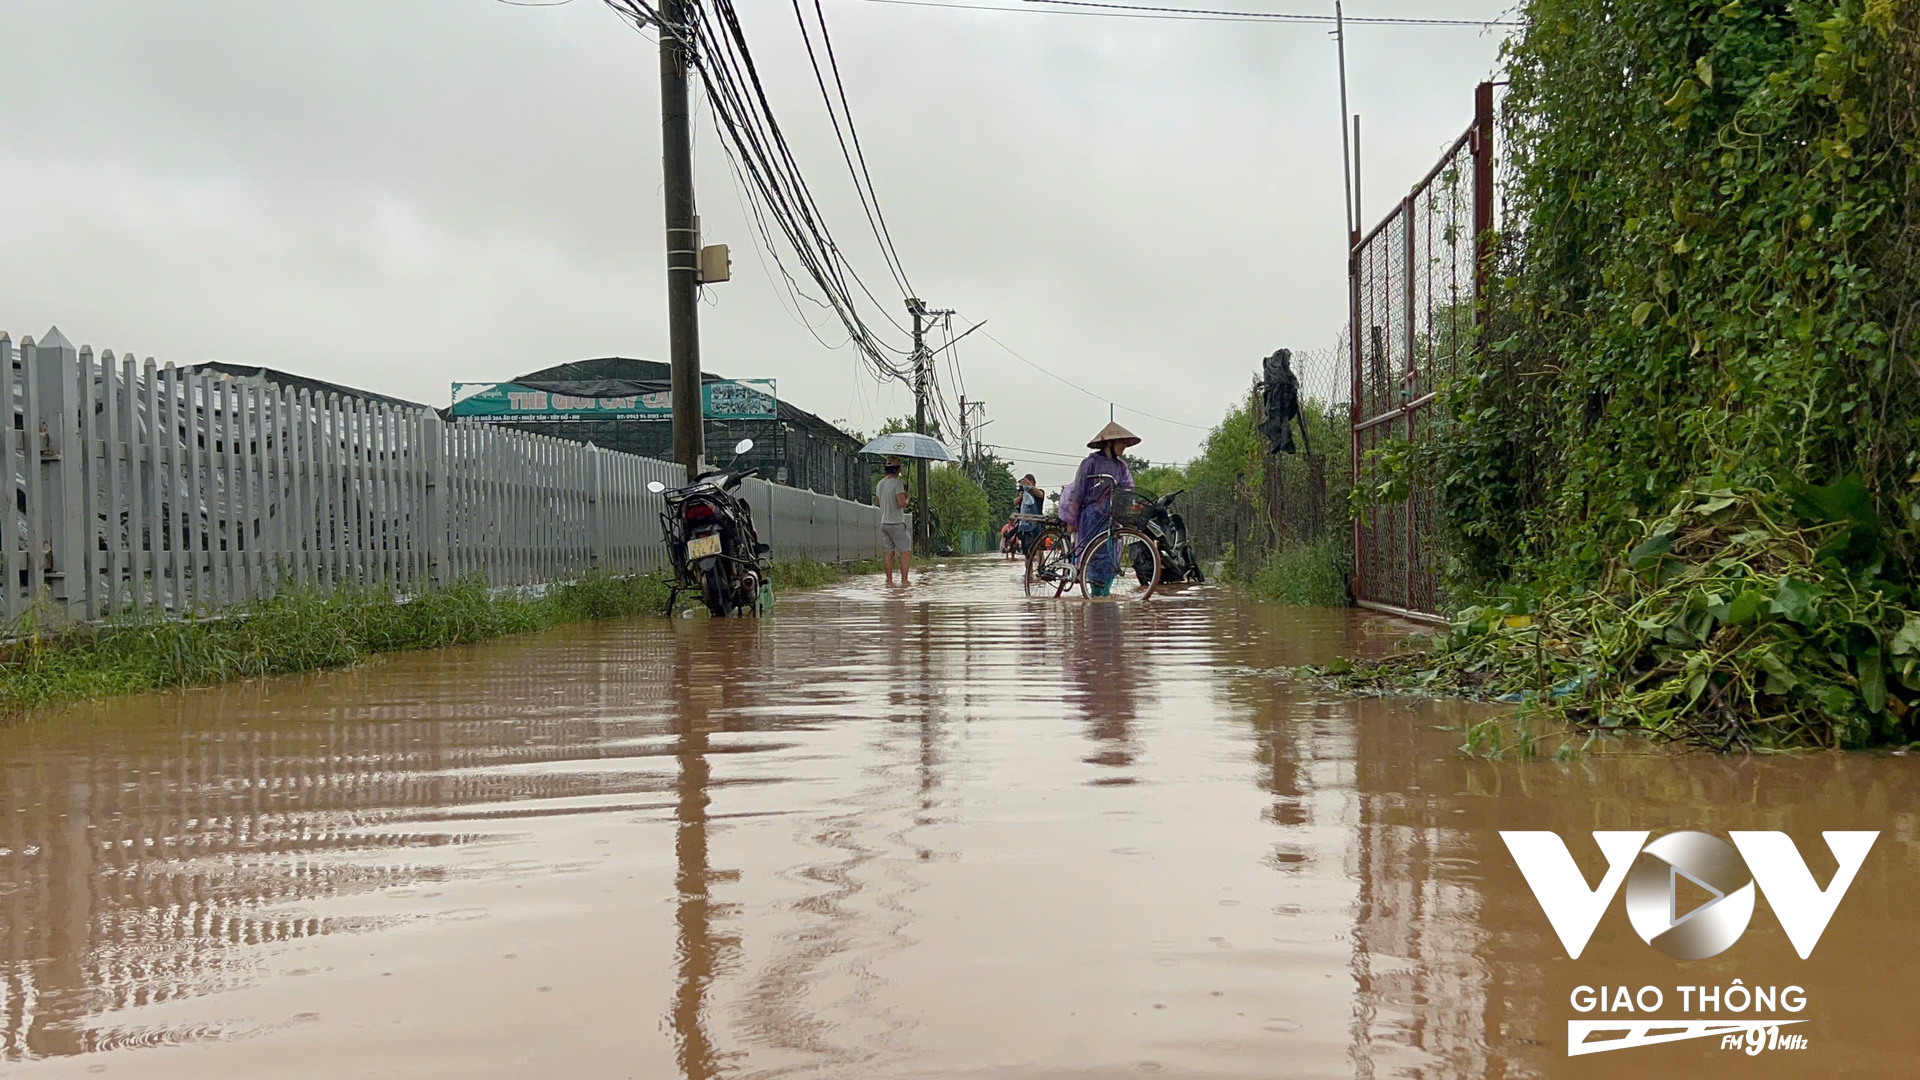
712	543
1169	531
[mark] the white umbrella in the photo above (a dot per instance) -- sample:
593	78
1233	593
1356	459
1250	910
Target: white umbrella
906	444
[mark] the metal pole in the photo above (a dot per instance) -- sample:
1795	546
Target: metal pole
1360	568
1482	198
1409	206
1359	221
1346	152
683	241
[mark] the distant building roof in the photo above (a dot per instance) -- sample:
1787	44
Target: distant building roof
623	369
300	382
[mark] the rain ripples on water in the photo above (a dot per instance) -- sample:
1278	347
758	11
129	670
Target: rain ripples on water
940	831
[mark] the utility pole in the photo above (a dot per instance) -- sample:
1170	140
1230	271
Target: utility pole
921	526
1346	152
922	371
973	456
683	240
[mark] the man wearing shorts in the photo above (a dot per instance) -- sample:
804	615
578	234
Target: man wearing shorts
895	537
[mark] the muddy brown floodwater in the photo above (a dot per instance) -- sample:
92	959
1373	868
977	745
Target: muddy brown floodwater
946	832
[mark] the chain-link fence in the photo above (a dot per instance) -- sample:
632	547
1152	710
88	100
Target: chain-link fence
1245	501
1414	284
1413	281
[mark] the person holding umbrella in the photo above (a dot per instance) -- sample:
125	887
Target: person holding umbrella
896	534
895	537
1093	483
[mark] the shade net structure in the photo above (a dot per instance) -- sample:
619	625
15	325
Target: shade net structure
793	447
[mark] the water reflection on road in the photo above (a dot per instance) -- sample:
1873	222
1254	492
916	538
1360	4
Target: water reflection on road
945	831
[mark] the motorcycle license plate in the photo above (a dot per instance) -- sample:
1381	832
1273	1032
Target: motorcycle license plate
702	546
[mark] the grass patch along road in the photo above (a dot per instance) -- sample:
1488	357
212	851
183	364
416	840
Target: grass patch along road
300	631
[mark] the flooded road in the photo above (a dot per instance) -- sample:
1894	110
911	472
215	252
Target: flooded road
940	832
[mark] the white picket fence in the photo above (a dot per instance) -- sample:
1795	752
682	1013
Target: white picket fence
153	488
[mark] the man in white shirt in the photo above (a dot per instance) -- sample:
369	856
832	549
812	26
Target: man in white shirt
895	537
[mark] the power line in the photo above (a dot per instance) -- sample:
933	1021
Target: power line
1091	394
764	165
1269	15
794	196
869	199
1129	11
778	174
1068	457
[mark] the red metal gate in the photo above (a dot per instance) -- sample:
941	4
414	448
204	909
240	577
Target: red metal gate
1413	285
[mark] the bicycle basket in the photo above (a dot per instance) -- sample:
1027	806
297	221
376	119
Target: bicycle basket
1127	507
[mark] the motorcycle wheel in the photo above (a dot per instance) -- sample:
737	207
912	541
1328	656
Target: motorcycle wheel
714	591
1170	567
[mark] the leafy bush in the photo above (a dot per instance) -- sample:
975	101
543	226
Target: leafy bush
1279	523
957	505
1001	487
1698	372
1315	573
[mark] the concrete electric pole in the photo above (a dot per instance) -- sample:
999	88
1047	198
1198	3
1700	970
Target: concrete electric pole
683	241
972	455
922	374
965	447
922	527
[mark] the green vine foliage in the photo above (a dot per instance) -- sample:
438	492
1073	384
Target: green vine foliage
1707	283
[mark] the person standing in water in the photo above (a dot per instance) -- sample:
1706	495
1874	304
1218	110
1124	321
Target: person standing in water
1032	503
1099	474
895	537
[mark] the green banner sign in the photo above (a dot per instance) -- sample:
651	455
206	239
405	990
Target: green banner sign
741	399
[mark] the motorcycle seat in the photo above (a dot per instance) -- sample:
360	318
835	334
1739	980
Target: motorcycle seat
762	549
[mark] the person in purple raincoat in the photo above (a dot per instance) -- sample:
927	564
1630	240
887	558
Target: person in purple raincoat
1093	501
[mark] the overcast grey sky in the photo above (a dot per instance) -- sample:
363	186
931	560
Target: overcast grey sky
400	194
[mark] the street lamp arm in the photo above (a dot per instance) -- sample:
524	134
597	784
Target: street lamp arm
956	341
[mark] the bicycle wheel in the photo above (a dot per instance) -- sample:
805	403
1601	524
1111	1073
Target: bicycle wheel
1133	544
1047	566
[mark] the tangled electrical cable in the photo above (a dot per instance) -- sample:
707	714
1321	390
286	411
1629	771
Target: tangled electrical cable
763	163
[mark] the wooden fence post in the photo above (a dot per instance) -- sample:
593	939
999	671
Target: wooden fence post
54	454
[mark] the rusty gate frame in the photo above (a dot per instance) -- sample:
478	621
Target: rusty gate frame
1411	536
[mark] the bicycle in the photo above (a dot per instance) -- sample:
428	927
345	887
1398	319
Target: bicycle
1049	556
1132	546
1055	566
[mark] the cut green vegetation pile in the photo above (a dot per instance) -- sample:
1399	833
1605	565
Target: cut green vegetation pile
1736	623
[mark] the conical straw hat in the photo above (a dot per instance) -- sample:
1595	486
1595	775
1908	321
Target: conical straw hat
1113	433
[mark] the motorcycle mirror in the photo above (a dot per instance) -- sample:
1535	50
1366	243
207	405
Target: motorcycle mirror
742	447
656	486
